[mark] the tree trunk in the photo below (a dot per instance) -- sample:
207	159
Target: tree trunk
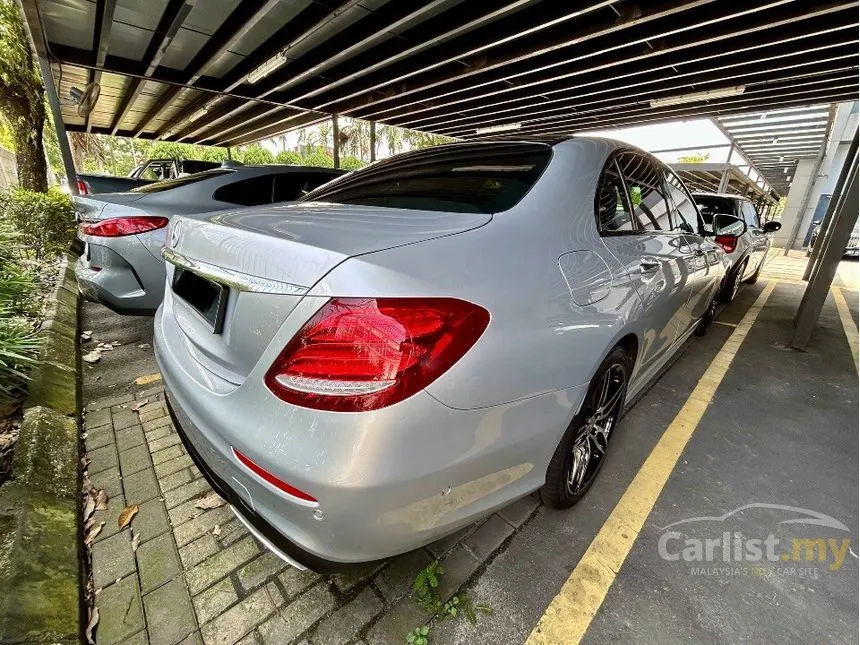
27	122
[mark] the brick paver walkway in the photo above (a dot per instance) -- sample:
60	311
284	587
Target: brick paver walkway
199	577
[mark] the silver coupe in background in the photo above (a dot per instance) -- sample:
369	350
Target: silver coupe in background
425	340
123	233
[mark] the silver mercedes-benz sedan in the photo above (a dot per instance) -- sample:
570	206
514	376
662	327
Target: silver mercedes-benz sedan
123	233
425	340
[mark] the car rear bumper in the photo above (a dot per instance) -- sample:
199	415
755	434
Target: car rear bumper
108	277
386	482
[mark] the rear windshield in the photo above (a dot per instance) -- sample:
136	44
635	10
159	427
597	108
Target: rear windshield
709	205
458	178
168	184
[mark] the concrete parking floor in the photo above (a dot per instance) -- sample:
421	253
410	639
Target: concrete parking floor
781	430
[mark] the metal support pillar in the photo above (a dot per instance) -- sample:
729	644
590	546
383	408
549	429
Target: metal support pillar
724	179
59	126
335	131
372	141
815	252
820	281
813	179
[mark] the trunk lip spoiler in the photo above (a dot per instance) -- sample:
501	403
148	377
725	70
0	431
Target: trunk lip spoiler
232	278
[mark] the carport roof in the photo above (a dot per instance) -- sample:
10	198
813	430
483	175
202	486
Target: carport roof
706	177
178	69
775	141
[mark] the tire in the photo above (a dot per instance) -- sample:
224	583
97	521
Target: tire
733	285
580	454
707	318
754	277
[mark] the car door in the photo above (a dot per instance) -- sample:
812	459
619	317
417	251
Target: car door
633	224
698	253
758	239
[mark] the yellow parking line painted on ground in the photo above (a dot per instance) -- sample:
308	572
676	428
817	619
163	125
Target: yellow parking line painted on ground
149	378
847	322
572	610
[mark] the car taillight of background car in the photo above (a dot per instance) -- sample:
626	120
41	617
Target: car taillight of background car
121	226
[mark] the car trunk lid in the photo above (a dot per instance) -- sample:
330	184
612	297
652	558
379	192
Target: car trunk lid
269	257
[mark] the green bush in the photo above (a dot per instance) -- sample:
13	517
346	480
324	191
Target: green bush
289	157
18	284
319	158
257	154
45	221
351	163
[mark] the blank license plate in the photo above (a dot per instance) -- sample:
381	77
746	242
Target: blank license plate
205	297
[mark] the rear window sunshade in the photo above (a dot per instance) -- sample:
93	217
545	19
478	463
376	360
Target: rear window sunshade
459	178
167	184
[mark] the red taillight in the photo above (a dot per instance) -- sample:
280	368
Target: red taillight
359	354
269	477
119	226
83	189
728	242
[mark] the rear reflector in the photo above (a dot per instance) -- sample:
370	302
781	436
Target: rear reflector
728	242
269	477
121	226
359	354
83	188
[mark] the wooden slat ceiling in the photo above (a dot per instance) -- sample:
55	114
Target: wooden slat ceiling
178	69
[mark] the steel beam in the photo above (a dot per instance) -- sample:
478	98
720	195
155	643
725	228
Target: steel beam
831	209
819	284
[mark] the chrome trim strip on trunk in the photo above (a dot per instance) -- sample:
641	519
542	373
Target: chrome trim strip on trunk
231	278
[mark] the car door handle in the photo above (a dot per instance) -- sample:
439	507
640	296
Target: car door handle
649	265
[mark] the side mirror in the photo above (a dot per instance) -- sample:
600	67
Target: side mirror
771	227
728	225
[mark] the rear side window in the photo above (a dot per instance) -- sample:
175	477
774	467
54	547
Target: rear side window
248	192
684	213
710	205
644	180
460	178
290	186
750	215
613	210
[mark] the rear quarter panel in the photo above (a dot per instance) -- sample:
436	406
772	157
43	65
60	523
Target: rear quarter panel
539	340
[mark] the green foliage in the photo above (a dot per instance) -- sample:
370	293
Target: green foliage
425	591
289	157
18	284
7	140
697	157
425	587
318	158
351	163
256	154
45	221
419	636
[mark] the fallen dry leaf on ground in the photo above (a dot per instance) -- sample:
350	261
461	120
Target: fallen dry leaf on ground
94	620
92	357
101	500
137	406
212	500
216	530
135	542
144	346
89	524
89	506
125	517
93	533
